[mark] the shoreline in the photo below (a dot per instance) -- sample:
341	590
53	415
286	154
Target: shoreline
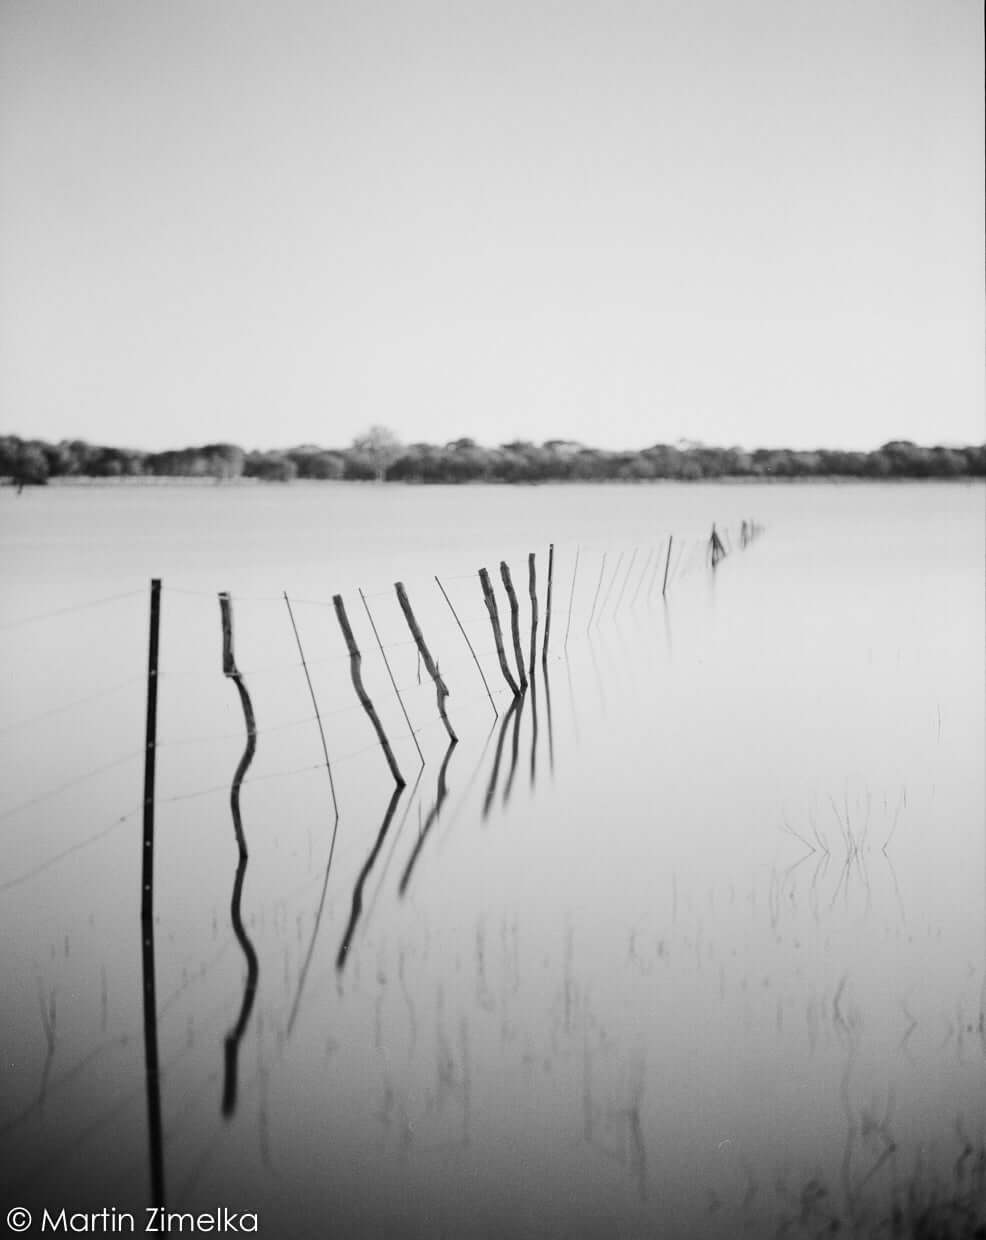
242	483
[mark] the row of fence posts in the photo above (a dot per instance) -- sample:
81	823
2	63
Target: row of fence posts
517	685
518	688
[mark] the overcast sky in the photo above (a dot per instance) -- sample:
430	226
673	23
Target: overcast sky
738	221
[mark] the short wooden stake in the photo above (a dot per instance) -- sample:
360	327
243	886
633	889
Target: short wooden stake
386	663
547	605
508	585
479	666
667	563
533	590
355	661
441	689
490	599
150	753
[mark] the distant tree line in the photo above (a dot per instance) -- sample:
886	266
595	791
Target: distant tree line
379	456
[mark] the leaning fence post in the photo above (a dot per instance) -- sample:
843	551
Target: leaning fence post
355	659
508	585
533	589
547	605
441	689
667	564
150	752
490	600
386	663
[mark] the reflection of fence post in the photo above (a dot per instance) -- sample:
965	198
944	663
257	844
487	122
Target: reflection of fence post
533	589
508	585
667	564
150	752
441	688
490	600
152	1075
547	605
355	659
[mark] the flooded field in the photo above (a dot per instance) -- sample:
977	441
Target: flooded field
690	941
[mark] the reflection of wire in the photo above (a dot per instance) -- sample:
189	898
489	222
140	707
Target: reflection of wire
185	796
83	701
74	848
71	783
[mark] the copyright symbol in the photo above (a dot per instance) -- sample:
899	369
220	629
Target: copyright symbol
18	1219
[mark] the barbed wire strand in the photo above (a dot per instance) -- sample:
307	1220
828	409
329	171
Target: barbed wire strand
64	611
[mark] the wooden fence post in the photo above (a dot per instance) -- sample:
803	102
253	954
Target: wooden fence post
547	605
508	585
533	590
151	1068
441	689
230	670
355	660
490	599
386	663
150	753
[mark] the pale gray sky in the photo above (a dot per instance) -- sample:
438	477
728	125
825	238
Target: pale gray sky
740	221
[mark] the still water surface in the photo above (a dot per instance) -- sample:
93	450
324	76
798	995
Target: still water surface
691	943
